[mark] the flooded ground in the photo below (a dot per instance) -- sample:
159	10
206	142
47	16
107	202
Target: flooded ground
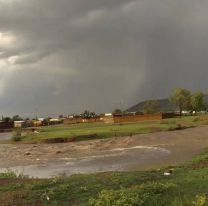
116	154
113	160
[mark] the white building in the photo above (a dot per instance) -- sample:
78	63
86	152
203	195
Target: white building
19	124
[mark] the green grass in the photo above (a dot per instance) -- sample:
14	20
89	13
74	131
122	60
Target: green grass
102	130
187	184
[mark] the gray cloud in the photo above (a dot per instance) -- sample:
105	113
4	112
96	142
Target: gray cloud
68	55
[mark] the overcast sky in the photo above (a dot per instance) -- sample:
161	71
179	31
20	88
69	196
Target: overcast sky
64	56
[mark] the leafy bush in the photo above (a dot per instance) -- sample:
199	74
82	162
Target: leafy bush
166	121
176	127
145	195
179	126
200	200
17	136
8	174
196	119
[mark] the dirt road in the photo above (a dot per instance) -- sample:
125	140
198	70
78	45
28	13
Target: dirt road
125	153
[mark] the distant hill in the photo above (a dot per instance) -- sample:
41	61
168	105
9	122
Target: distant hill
164	105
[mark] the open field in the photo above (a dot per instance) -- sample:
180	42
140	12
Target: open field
151	153
187	186
86	131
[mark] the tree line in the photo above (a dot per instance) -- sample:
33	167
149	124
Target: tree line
185	100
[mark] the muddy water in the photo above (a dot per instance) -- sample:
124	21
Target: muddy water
139	152
119	159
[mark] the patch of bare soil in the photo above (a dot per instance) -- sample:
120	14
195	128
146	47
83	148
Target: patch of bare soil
182	144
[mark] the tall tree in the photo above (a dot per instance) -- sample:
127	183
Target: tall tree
88	114
7	119
17	118
118	112
182	98
197	101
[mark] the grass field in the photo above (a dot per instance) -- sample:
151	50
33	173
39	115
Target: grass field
101	130
187	186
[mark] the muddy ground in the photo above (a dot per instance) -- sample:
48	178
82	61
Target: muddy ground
138	152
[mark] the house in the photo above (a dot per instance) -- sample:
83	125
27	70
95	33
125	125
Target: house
4	126
19	124
36	123
108	118
54	121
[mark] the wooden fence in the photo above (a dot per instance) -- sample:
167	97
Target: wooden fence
120	119
136	118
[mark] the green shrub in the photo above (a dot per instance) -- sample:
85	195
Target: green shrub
200	200
8	174
196	119
17	136
175	127
166	121
145	195
179	126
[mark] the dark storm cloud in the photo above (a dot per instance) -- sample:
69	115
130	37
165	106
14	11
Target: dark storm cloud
68	55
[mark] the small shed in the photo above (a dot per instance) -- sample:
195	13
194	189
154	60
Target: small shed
19	124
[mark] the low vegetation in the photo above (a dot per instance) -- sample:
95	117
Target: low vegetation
17	135
87	131
186	186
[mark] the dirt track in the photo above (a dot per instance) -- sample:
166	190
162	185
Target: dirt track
138	152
